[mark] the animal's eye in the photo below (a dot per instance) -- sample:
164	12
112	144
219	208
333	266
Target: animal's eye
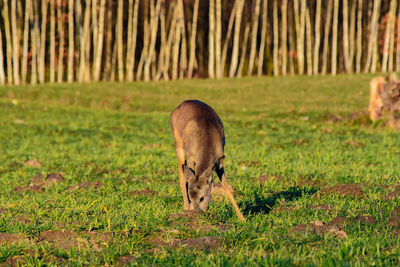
201	199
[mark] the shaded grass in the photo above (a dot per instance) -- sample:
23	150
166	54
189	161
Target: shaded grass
299	128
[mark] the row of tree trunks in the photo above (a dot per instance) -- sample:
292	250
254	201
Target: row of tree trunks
82	40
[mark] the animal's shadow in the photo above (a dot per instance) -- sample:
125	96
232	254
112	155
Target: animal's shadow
258	203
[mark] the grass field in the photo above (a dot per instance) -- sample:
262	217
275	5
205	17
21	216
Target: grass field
88	175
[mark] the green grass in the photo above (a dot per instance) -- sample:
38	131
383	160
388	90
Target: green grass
118	134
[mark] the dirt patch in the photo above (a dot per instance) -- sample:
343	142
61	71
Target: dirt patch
354	143
97	241
394	194
395	218
218	191
325	207
353	190
319	228
64	238
285	208
18	260
32	163
268	178
300	142
39	183
24	219
192	221
87	185
250	163
332	118
9	239
191	214
201	243
365	219
143	192
124	260
337	222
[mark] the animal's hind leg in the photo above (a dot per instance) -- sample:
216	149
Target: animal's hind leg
182	181
221	174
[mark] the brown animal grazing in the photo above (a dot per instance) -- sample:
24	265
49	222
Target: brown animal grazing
199	145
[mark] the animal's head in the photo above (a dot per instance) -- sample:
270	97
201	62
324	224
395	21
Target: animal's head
198	187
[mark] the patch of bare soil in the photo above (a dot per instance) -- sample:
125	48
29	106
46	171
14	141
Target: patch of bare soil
337	222
394	194
201	243
33	163
143	192
354	143
9	239
99	240
285	208
39	184
218	191
325	207
24	219
267	178
194	223
87	185
18	260
319	228
353	190
395	218
300	142
365	219
64	238
125	260
333	118
248	163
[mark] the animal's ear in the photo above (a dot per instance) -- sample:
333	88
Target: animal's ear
393	77
207	175
188	173
218	163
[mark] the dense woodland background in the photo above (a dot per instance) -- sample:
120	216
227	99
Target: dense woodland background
126	40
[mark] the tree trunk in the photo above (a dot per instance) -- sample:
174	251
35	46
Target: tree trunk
183	53
392	36
276	38
317	37
284	36
60	23
2	74
309	41
95	26
146	37
34	39
263	37
359	35
42	56
84	39
70	41
253	47
345	34
153	36
244	50
387	35
177	41
109	44
15	41
351	35
372	37
334	36
228	36
211	41
163	42
100	37
218	69
291	42
236	39
9	47
171	34
24	67
326	38
129	54
130	65
120	40
52	41
193	38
